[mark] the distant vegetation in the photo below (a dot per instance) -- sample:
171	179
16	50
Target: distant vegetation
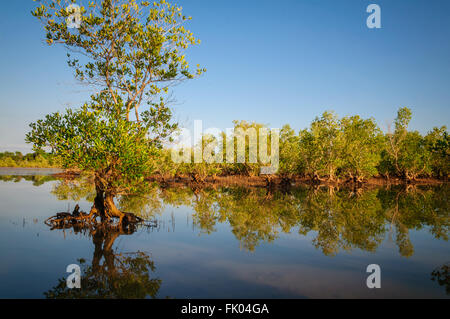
38	160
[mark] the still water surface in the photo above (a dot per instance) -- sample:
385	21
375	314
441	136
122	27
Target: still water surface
227	243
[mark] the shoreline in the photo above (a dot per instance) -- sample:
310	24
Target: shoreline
245	181
283	182
268	181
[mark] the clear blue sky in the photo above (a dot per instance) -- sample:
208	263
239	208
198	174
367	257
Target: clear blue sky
273	62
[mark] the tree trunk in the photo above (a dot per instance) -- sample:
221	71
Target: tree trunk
110	207
105	208
99	203
104	205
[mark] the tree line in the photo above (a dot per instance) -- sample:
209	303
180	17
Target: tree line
334	149
36	159
330	149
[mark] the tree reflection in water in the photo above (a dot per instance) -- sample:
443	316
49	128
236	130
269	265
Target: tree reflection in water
37	180
442	276
111	274
339	219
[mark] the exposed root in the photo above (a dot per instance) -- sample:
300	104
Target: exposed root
197	178
79	218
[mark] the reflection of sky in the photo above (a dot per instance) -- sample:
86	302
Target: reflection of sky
33	258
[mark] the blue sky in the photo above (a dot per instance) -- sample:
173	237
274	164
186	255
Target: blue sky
274	62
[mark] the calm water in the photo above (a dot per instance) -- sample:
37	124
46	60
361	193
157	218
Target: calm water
227	243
